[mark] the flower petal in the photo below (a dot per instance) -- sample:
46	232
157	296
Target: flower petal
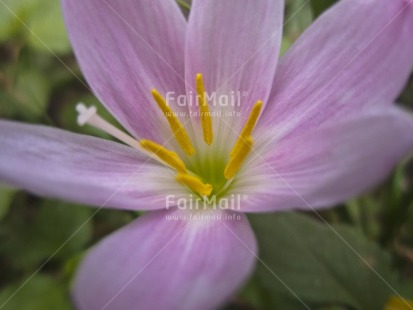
235	45
357	54
329	164
80	168
167	260
125	48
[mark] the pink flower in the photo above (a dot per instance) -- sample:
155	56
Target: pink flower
327	130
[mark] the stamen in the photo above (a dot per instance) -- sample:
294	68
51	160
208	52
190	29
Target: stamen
89	116
195	184
178	130
248	127
167	156
206	119
238	158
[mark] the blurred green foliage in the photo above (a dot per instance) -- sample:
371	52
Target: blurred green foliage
42	240
38	22
323	264
38	293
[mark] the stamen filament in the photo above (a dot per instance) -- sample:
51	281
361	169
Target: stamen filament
238	158
206	120
248	127
167	156
195	184
90	117
177	128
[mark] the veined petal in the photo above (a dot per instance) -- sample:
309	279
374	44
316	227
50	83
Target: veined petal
359	53
125	48
168	260
235	45
56	163
329	164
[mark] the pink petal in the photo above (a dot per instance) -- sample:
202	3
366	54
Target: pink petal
158	262
235	45
357	54
80	168
125	48
330	164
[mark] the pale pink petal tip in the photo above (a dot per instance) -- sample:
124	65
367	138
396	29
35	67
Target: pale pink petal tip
161	263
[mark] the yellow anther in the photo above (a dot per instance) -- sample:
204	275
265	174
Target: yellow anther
178	130
206	119
238	157
167	156
248	127
195	184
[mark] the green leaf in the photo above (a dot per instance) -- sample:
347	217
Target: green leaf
285	45
6	197
319	6
298	16
55	229
32	89
40	21
13	13
39	293
315	264
47	30
61	223
253	293
184	4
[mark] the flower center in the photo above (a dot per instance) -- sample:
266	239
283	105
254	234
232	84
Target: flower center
201	176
